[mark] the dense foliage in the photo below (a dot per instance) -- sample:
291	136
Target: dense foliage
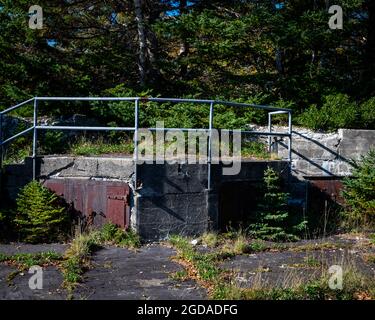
359	192
39	217
272	217
260	51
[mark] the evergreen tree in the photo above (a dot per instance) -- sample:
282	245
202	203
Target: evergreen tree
272	216
39	217
359	192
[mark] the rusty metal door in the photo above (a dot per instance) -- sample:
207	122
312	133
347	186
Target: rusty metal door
118	210
99	201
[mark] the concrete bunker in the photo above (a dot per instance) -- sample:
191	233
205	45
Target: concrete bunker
189	199
170	198
160	200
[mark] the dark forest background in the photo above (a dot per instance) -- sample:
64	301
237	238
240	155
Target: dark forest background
281	53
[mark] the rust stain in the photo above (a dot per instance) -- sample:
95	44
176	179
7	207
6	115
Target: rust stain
98	201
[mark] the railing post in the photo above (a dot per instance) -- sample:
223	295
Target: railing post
35	137
269	130
210	146
1	142
290	136
135	157
290	145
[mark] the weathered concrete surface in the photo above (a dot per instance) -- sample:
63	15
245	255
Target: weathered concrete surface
327	154
18	288
322	153
121	274
116	273
16	248
160	217
174	198
286	268
87	167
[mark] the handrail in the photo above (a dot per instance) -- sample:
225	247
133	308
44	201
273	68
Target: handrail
16	106
16	136
137	100
175	100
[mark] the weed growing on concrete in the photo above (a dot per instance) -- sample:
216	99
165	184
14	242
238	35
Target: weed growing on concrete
181	275
370	258
88	148
77	257
254	149
24	261
210	239
77	260
112	234
203	267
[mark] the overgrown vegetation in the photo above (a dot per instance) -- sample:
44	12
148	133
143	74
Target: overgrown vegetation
221	284
77	257
210	239
255	149
272	220
86	147
112	234
359	193
355	287
24	261
39	217
339	111
247	51
239	242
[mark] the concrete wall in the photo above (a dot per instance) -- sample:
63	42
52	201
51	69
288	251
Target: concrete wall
325	154
170	199
174	198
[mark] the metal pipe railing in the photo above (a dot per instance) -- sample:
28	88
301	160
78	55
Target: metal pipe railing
137	103
136	122
16	106
4	142
210	124
75	128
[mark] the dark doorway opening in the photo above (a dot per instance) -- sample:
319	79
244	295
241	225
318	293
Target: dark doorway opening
237	203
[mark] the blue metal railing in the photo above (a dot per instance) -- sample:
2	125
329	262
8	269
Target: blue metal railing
137	103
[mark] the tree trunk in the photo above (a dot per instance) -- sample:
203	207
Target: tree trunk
370	47
184	46
141	41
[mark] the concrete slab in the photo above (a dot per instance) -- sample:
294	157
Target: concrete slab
143	275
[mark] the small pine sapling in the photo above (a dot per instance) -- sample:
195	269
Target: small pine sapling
272	216
39	216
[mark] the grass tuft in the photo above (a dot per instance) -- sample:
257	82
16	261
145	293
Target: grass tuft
210	239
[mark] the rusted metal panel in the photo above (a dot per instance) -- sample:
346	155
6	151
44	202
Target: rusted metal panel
117	205
56	186
95	201
327	187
